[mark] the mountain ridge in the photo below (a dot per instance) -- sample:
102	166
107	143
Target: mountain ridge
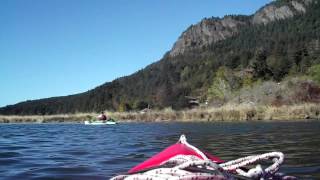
189	69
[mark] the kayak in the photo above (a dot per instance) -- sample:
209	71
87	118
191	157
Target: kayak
98	122
173	150
186	162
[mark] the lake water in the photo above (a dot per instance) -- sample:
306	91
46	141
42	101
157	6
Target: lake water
76	151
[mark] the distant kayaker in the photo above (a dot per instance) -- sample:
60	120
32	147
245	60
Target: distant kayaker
102	116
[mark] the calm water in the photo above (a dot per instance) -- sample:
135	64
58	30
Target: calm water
75	151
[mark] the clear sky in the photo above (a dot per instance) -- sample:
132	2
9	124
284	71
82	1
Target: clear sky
61	47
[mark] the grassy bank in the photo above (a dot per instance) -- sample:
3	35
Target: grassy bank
229	113
244	112
58	118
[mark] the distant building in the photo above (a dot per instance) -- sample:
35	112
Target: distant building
192	101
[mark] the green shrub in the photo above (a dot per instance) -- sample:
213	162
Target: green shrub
314	72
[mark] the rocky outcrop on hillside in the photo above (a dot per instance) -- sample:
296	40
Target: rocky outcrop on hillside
206	32
272	12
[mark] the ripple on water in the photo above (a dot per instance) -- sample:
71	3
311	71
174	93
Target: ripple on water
7	162
42	176
16	147
64	170
9	154
75	152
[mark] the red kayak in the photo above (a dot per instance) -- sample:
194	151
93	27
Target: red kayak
186	162
180	148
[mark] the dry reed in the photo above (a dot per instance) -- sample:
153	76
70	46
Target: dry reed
229	112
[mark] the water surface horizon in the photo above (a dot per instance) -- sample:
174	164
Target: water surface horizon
77	151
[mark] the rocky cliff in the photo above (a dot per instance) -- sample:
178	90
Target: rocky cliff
206	32
211	30
279	11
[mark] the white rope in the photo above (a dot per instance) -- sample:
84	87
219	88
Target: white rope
235	165
178	173
278	159
183	140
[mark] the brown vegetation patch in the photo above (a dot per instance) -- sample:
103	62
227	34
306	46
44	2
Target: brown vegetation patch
309	92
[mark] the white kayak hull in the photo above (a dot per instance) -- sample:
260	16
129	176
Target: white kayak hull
100	122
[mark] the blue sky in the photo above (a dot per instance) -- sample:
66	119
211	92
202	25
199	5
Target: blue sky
61	47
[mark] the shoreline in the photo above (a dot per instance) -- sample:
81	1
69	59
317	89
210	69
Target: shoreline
227	113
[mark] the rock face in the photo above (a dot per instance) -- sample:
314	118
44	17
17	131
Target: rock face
211	30
273	12
206	32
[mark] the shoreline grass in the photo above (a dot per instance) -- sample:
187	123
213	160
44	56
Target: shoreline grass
228	113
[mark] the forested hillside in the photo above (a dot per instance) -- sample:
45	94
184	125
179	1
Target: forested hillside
216	60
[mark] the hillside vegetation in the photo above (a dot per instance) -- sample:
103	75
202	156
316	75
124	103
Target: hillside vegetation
258	59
